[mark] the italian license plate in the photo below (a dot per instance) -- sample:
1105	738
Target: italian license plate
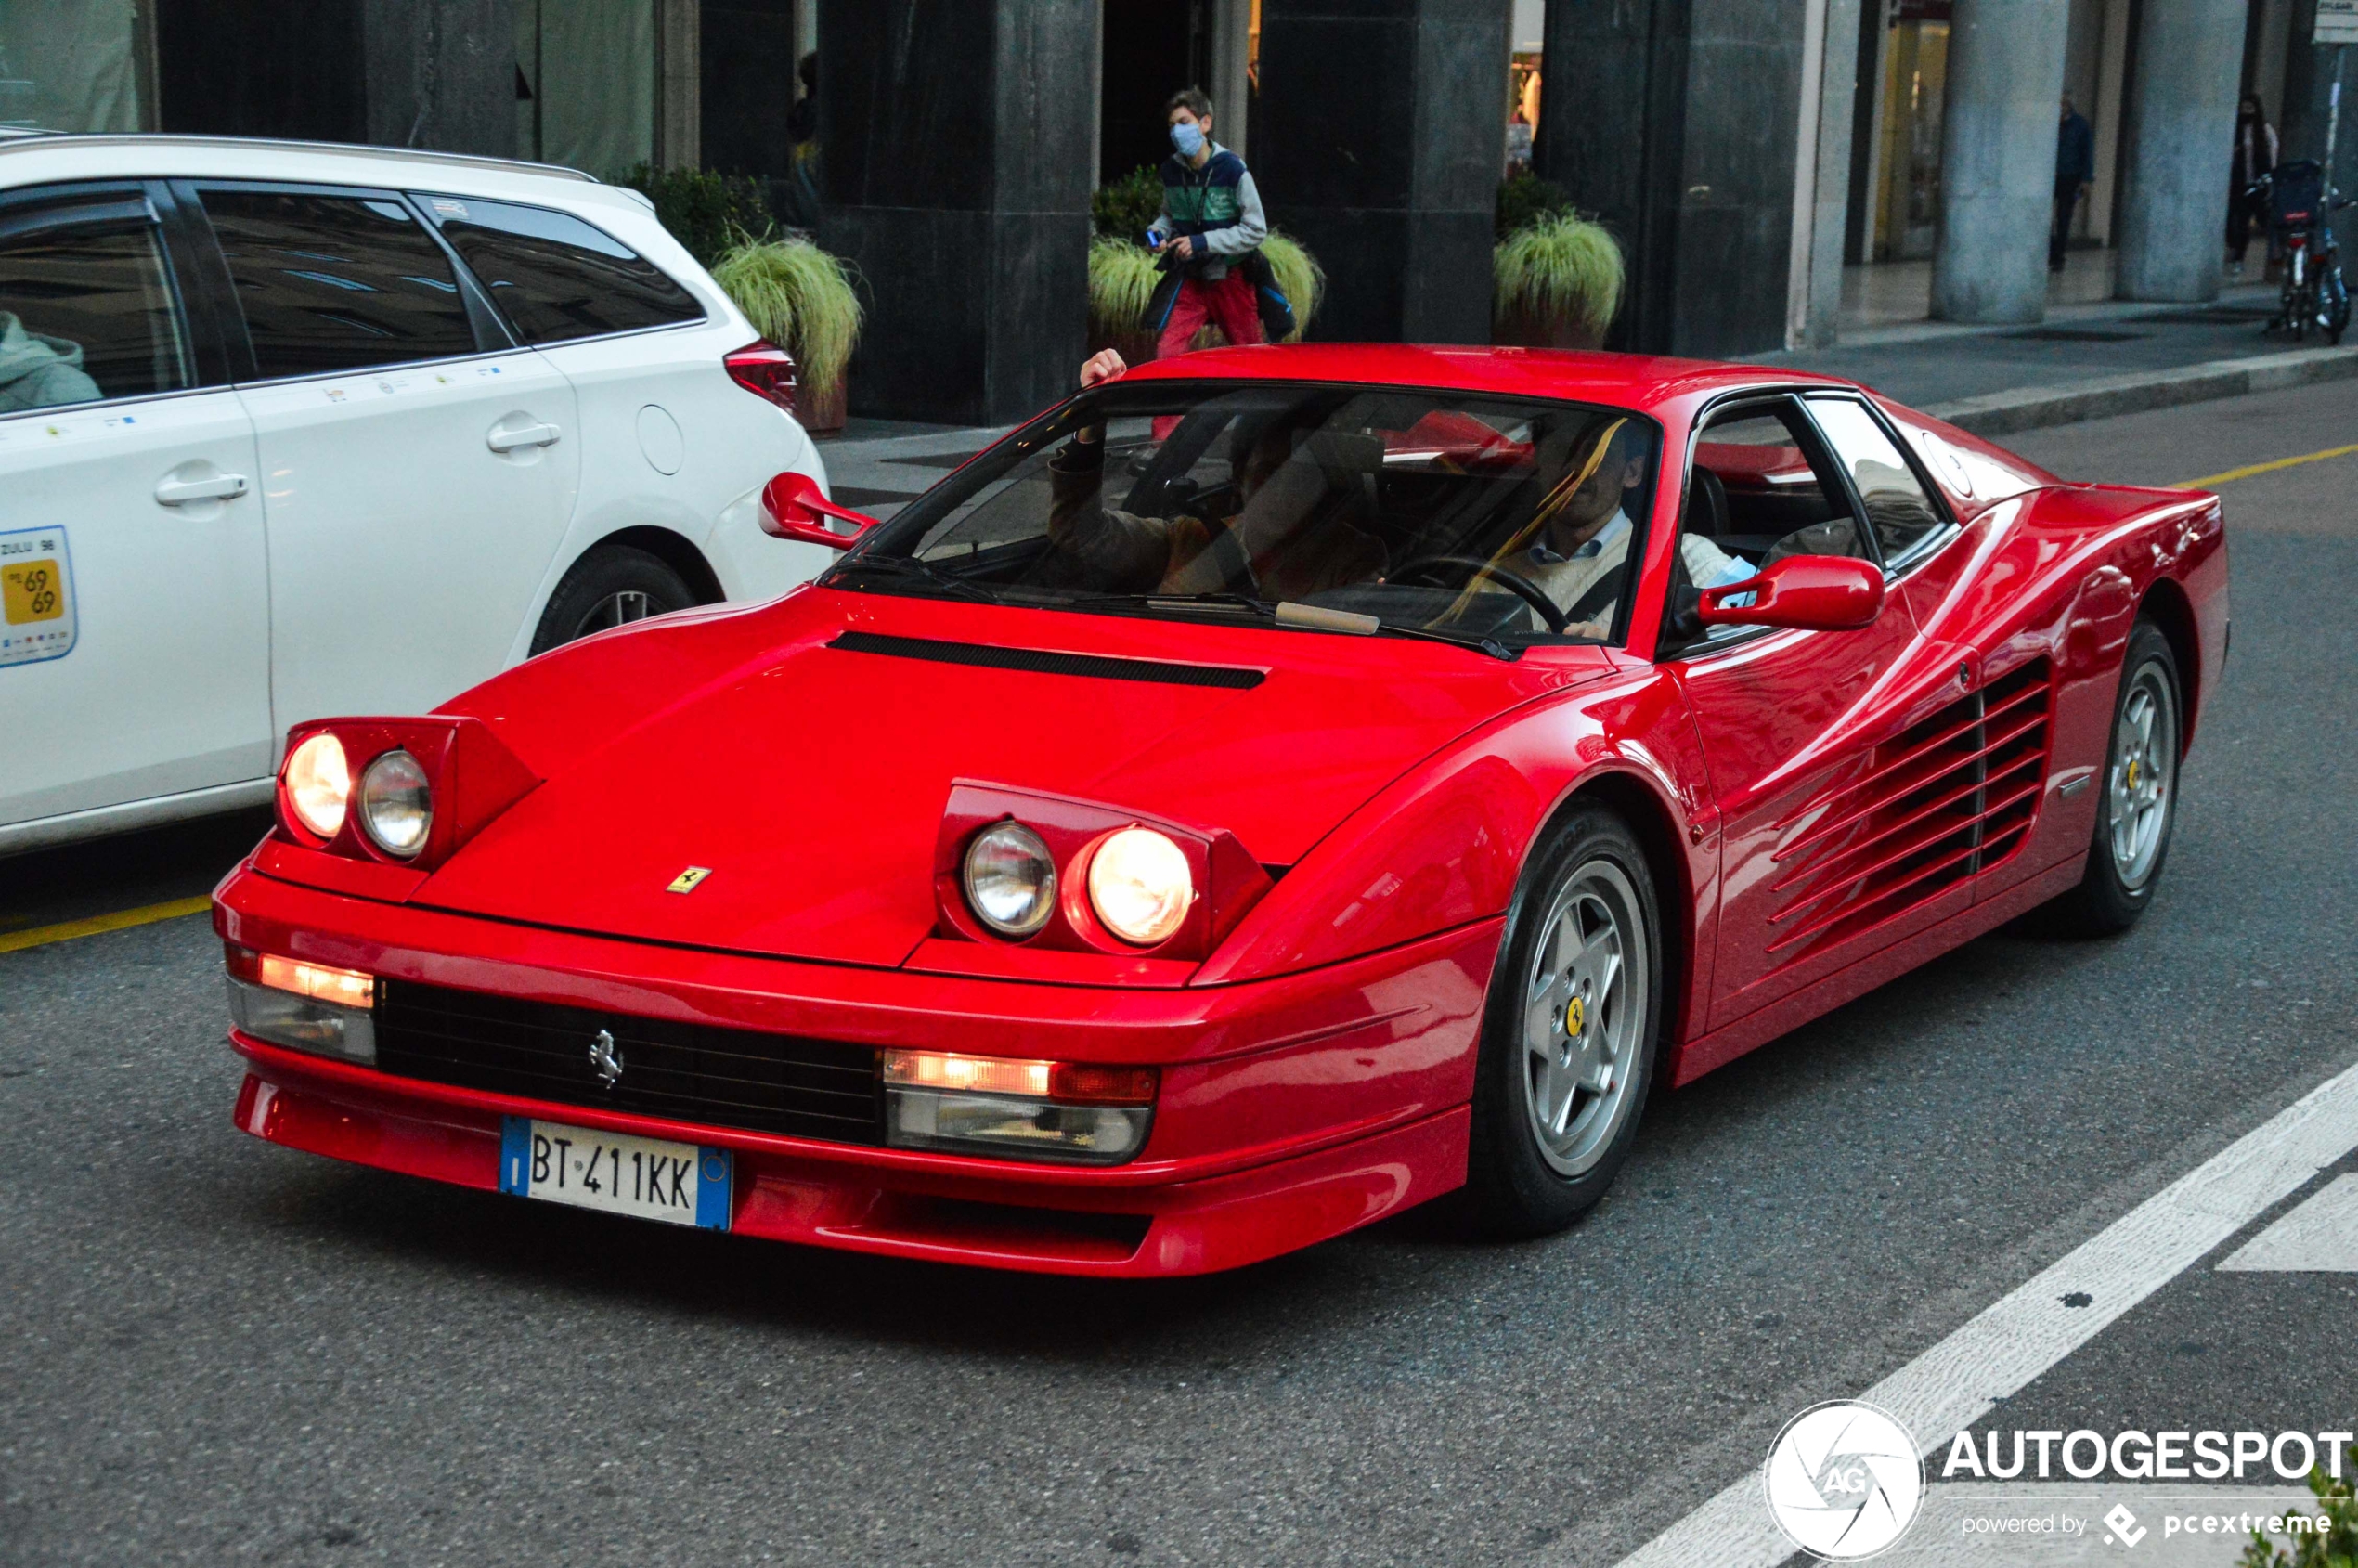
652	1178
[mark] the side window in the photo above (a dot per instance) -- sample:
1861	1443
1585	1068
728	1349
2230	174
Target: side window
336	283
1898	511
556	278
87	304
1762	489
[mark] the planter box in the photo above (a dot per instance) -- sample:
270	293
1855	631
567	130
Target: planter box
819	415
1523	332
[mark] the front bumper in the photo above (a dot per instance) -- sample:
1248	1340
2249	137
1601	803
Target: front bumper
1291	1109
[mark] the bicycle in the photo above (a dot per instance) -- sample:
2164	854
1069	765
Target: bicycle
2300	206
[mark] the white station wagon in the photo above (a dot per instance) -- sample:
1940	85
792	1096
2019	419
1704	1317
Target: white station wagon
290	430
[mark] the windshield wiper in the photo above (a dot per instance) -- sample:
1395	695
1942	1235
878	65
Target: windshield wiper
911	567
1288	613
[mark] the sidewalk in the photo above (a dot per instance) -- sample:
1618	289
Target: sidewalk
2085	362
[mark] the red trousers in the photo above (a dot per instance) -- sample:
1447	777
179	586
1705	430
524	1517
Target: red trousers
1227	305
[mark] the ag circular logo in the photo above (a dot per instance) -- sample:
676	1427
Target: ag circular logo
1842	1480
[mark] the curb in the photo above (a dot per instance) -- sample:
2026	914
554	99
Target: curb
2003	413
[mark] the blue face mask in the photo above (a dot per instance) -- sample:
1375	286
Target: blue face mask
1187	138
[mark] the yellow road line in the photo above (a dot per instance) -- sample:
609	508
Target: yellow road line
42	936
2205	482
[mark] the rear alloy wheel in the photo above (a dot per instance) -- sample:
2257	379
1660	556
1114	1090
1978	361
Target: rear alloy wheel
2137	799
1569	1038
612	585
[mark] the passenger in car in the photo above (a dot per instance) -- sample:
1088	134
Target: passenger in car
1581	553
38	371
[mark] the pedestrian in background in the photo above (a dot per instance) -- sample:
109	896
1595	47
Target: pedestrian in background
2255	156
2075	170
1211	224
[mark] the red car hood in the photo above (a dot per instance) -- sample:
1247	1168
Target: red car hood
811	779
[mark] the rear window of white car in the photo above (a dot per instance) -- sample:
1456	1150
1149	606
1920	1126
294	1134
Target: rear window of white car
556	278
333	284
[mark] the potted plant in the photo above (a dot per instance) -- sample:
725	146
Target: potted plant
1557	281
801	299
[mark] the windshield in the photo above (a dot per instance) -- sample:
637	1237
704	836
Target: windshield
1495	521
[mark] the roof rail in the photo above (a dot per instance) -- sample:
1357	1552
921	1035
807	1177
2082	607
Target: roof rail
268	144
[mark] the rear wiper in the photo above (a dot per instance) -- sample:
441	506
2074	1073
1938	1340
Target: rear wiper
910	566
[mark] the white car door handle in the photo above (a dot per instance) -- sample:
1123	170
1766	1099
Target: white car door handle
220	488
507	438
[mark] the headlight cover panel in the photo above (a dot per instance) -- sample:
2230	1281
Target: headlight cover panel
1227	880
472	774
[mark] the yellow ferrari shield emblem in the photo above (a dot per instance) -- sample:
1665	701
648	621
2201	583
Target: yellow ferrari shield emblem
1575	1015
686	881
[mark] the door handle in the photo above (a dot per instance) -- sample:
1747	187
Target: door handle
220	488
507	438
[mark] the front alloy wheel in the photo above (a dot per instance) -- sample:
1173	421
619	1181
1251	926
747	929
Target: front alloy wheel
1569	1039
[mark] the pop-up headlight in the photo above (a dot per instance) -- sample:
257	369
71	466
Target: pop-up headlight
1025	1109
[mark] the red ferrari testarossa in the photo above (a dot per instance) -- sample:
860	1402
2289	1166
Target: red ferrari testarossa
1272	788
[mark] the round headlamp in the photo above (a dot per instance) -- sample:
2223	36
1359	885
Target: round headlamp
1011	881
318	783
1140	886
397	803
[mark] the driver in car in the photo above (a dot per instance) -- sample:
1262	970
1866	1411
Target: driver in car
1581	549
1127	552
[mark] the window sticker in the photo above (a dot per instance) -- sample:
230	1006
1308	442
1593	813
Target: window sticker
37	619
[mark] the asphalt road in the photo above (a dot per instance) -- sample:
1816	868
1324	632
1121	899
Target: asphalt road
217	1350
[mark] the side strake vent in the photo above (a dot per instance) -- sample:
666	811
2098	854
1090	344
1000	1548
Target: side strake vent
1041	662
1951	796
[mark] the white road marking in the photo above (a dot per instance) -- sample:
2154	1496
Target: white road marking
1959	1380
2321	1235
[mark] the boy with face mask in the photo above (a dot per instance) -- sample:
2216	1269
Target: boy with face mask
1211	221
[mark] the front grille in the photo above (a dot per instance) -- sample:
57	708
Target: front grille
688	1072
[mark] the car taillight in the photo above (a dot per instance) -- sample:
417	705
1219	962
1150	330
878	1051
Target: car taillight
764	370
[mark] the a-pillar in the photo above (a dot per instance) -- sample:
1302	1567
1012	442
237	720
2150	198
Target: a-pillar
1998	159
2182	111
1377	142
954	140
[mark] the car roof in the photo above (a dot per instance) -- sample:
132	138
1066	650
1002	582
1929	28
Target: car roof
1644	380
51	157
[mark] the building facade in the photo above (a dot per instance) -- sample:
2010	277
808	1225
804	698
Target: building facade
1757	159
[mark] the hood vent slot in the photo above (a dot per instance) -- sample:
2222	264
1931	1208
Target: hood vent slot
1040	662
1945	799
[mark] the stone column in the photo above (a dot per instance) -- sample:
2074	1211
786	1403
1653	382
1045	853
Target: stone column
1821	213
1380	138
954	140
1677	122
2182	111
1998	159
441	73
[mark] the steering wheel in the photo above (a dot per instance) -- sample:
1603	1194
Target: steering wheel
1523	588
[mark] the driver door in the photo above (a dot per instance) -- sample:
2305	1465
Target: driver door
1801	730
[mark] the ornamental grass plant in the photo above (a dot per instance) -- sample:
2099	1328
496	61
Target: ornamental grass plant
1123	275
1558	283
798	297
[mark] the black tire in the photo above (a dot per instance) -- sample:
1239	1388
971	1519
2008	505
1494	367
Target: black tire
611	585
2118	885
1517	1185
